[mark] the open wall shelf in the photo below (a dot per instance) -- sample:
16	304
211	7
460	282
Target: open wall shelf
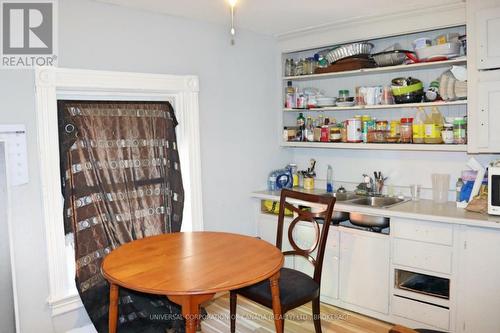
387	106
376	146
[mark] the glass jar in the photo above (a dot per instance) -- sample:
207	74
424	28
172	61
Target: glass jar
381	125
310	66
343	94
406	129
289	67
448	134
335	134
460	131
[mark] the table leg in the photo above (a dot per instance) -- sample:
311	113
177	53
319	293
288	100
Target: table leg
190	308
275	292
113	307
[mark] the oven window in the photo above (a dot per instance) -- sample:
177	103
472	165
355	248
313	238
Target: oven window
495	190
423	284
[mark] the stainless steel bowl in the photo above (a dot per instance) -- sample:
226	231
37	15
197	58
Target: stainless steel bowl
349	50
390	58
369	221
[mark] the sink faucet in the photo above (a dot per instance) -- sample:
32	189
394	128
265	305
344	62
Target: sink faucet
372	186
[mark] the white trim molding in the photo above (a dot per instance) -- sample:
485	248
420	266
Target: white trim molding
372	27
51	83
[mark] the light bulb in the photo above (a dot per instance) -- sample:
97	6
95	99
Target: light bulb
232	3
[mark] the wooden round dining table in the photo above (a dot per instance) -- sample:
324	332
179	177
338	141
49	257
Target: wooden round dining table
190	268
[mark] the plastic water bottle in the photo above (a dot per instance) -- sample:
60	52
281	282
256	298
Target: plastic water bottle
271	181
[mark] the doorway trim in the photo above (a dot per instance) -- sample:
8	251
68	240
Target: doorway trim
50	83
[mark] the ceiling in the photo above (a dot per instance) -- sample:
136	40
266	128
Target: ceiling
278	17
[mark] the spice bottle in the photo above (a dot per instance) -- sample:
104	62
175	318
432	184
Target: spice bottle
301	124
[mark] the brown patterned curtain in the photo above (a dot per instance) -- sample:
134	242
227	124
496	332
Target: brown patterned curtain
121	181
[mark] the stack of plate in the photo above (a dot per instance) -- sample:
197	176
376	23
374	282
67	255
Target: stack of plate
450	88
324	101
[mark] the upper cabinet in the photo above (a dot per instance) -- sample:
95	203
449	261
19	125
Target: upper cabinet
483	25
488	39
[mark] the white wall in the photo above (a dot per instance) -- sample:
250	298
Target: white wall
402	168
238	99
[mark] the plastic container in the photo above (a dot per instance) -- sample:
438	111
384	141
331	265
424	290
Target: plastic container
433	127
418	126
460	131
406	129
447	134
440	187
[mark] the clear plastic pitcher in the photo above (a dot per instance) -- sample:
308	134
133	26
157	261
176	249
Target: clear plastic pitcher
440	187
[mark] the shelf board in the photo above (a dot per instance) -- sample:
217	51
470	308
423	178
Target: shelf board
375	107
376	146
388	69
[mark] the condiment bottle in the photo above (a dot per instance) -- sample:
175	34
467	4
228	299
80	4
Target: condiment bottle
419	126
406	129
301	124
433	127
290	98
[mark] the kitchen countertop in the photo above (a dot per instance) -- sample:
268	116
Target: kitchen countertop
422	210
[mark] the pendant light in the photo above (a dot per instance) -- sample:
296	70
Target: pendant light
232	4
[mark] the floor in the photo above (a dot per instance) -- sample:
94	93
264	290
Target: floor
253	318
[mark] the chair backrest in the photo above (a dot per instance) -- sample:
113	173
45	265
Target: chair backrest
289	200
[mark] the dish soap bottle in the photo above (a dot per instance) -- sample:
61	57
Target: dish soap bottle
329	179
433	127
419	126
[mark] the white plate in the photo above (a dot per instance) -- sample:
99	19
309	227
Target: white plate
345	104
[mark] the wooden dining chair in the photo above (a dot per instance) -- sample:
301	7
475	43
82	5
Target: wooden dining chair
296	288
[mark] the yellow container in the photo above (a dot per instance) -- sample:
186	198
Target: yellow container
308	183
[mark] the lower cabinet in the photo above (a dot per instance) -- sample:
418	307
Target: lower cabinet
358	273
479	289
364	269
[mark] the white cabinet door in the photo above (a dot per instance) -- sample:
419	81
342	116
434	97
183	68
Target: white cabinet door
479	289
267	229
330	275
488	111
364	270
488	39
304	236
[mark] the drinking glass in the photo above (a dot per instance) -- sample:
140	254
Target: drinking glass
415	192
440	187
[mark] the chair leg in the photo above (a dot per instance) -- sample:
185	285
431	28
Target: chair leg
316	315
232	310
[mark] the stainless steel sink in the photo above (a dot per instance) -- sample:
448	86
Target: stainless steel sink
373	221
379	202
338	216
